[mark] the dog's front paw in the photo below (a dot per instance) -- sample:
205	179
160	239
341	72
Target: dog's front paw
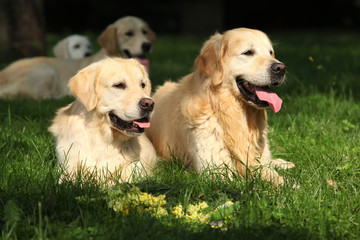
281	163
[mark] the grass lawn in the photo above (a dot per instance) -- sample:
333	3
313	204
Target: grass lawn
317	129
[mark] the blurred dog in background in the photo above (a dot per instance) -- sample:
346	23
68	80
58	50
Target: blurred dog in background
44	77
134	38
73	47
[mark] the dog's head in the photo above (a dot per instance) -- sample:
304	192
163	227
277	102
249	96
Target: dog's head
129	36
243	61
73	47
117	90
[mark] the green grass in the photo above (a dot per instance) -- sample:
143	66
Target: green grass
317	129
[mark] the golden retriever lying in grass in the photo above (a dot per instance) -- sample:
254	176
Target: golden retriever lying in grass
45	77
102	129
215	117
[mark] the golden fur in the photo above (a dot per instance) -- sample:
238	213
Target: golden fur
45	77
206	122
85	134
131	34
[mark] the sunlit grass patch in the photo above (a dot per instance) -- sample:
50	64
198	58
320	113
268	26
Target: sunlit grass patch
317	129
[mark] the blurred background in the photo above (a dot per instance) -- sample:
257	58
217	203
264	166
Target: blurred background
24	24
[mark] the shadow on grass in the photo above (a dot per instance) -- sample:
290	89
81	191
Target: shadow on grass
143	227
38	206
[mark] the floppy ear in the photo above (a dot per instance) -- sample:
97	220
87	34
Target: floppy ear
151	34
210	60
108	40
84	85
61	49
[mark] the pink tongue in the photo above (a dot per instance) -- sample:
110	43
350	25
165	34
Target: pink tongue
144	62
143	124
268	96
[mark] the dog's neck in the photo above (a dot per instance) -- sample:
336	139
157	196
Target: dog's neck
100	126
245	131
127	146
240	123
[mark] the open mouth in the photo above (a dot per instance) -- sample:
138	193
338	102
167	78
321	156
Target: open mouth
131	127
260	96
141	58
129	55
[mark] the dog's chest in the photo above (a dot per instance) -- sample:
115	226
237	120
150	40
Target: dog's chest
207	141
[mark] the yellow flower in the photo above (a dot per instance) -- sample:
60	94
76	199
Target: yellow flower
128	199
160	212
178	211
311	58
194	213
203	205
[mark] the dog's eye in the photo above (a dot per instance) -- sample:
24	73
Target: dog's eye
271	52
129	33
143	85
77	46
144	32
249	53
120	85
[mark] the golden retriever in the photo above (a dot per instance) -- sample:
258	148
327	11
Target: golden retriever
102	129
215	117
134	38
44	77
73	47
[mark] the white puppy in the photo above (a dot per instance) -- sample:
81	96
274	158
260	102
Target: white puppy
73	47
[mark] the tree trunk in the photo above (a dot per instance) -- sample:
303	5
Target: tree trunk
25	28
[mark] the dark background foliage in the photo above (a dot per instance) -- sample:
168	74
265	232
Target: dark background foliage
204	16
25	23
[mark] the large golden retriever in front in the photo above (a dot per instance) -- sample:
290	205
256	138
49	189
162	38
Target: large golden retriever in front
215	117
102	129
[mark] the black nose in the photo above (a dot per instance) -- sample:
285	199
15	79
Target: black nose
146	104
277	71
88	54
278	68
146	47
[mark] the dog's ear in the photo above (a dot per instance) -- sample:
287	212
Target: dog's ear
151	35
108	40
84	85
61	49
210	61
